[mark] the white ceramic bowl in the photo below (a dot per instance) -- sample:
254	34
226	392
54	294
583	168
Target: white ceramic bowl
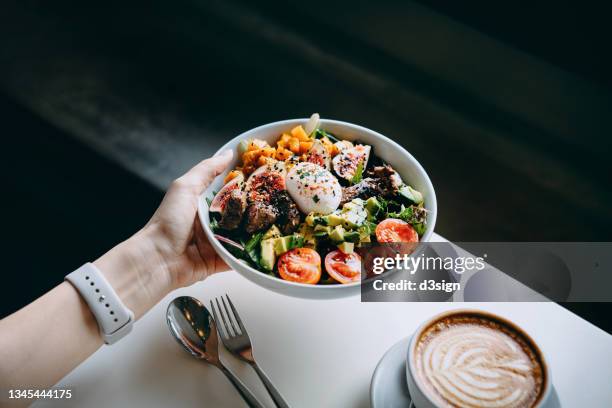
403	162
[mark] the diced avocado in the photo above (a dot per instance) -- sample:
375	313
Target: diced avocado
351	236
268	256
353	214
358	201
273	232
373	207
411	194
364	231
297	241
282	244
310	241
334	219
337	234
320	227
313	219
346	247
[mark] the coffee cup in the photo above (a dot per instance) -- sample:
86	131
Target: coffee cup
474	358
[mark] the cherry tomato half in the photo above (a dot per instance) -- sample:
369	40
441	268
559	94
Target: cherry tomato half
343	268
394	230
302	265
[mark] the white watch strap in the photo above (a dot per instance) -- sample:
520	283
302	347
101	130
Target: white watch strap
114	318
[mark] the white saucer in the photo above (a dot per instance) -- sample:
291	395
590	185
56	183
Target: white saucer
388	388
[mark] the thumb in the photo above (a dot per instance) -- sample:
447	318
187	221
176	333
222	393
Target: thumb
203	173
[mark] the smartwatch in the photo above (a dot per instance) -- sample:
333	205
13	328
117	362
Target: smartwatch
115	320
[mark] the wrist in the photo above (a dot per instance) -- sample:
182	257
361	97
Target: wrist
137	271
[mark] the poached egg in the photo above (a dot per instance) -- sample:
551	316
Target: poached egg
313	188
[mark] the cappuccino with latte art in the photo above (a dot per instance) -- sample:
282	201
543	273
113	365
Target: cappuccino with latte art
472	359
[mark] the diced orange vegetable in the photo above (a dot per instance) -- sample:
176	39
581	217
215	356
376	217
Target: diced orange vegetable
283	154
300	133
231	175
251	156
294	145
329	146
248	170
305	146
285	138
256	144
268	152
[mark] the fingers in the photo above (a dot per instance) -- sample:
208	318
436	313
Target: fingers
213	262
203	173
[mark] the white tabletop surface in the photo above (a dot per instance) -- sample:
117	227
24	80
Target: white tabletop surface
318	353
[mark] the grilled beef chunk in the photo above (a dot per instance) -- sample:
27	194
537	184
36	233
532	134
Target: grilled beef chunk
260	216
232	213
281	211
367	187
288	213
381	180
393	181
291	220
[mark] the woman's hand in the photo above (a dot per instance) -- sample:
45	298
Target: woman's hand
171	251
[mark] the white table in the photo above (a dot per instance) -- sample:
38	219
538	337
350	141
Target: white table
318	353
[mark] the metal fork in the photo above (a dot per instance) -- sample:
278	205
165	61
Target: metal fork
238	342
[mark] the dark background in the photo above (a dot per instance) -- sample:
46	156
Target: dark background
505	104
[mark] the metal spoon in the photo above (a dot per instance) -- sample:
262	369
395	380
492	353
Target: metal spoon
193	327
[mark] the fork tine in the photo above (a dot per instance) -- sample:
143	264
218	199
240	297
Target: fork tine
236	315
219	328
227	330
229	316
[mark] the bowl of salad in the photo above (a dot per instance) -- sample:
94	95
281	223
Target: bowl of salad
302	197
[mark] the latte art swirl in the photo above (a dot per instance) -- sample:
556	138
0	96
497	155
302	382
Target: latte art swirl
470	361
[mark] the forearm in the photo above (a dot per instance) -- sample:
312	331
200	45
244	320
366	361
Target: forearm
45	340
137	271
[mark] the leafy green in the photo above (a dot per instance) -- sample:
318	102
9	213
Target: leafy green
414	215
251	248
387	205
214	224
209	200
242	255
320	133
358	173
253	241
